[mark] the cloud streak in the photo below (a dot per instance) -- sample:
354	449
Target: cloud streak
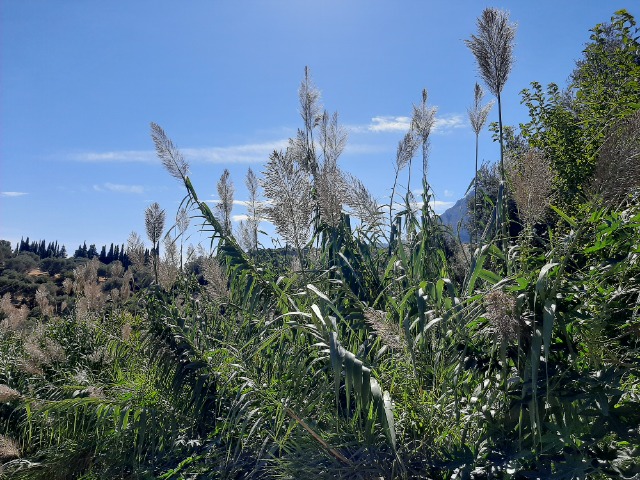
447	123
438	206
242	203
248	153
121	156
119	188
443	124
389	124
12	194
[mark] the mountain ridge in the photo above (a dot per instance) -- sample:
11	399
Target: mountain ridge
456	216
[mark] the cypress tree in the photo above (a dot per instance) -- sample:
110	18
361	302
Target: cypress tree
103	254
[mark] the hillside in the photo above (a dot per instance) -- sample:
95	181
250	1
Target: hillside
456	216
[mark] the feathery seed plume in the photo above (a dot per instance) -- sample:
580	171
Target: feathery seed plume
331	193
225	192
493	48
329	182
363	204
477	117
531	180
170	156
8	394
617	171
254	211
421	123
154	222
182	220
406	150
135	249
9	450
288	188
333	138
154	218
501	314
310	111
478	114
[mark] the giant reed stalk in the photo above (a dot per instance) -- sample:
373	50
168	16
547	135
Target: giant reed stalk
477	117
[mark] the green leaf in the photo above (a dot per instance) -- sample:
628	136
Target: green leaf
548	317
489	276
315	290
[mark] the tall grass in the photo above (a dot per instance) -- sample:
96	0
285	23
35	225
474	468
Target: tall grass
368	361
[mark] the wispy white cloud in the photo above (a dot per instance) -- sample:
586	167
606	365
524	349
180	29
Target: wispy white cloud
388	123
446	123
118	156
119	188
12	194
239	218
248	153
242	203
448	193
438	206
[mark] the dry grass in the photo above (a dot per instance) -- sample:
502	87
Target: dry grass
617	171
9	449
8	394
530	179
36	272
389	333
15	317
501	314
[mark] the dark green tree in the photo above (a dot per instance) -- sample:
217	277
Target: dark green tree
92	252
103	254
606	81
570	126
81	252
5	251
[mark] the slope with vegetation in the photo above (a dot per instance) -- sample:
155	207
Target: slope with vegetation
368	348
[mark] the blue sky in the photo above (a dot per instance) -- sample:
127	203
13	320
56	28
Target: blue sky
81	81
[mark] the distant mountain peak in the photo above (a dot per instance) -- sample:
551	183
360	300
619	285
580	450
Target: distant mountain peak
457	215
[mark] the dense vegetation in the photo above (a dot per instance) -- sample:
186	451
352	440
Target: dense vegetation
372	345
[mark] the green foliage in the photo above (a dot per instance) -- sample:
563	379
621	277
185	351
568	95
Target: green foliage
606	81
554	129
570	126
5	251
22	263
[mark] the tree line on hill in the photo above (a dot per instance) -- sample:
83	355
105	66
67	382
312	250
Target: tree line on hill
53	250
